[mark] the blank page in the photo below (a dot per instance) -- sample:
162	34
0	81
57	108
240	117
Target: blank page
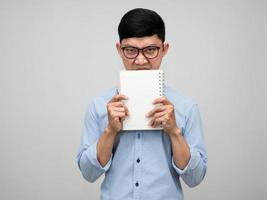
141	87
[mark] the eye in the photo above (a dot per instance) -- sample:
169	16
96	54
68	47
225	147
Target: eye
150	50
130	50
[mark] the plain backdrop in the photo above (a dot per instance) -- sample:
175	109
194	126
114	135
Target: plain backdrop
55	55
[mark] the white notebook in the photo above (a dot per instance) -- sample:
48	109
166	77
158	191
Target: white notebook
141	87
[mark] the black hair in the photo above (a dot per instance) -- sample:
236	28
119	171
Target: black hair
141	22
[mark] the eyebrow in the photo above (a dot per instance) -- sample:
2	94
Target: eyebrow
128	45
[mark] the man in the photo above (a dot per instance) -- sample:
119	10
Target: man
145	165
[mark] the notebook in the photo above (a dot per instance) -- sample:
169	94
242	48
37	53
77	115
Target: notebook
141	87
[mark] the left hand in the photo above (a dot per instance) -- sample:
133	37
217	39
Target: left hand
163	114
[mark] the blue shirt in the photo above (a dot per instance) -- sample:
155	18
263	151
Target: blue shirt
141	166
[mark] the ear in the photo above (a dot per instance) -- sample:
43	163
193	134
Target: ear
165	48
118	46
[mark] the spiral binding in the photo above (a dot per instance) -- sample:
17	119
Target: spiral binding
161	83
161	87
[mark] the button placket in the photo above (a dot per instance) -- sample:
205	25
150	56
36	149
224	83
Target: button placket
137	165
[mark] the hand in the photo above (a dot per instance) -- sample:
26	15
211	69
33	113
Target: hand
163	114
117	111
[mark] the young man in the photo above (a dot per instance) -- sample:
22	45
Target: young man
145	165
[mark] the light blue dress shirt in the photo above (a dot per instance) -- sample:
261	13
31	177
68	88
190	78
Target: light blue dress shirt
141	166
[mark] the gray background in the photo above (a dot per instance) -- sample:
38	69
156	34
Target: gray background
55	55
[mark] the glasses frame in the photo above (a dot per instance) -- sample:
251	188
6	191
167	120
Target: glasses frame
142	50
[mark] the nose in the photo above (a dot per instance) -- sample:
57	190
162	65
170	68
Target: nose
140	59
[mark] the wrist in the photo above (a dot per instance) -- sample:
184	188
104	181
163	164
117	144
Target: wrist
176	132
110	131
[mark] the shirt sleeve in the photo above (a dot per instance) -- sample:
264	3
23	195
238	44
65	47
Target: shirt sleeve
195	170
86	158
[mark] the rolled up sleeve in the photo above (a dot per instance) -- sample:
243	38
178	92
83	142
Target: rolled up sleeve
195	170
86	158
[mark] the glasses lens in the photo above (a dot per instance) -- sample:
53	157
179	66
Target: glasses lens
151	51
130	52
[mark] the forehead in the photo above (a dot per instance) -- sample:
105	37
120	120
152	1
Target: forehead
141	41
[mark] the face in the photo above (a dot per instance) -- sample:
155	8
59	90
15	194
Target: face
148	58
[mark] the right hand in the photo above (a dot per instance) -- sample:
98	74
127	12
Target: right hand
117	112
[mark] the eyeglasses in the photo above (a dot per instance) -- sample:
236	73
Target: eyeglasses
148	52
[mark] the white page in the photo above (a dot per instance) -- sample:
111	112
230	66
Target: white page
141	87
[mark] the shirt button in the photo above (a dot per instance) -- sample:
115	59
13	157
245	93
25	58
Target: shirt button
136	184
138	160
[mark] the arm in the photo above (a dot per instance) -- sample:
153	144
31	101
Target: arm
189	155
95	152
196	168
105	145
117	112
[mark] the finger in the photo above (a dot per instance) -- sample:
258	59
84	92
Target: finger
111	106
119	109
118	97
122	110
126	109
158	108
123	118
161	100
115	114
116	104
158	122
159	114
120	105
153	120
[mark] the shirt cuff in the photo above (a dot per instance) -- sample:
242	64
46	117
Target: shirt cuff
191	165
92	156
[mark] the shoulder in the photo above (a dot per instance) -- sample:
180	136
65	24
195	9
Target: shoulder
98	102
184	105
106	95
179	98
